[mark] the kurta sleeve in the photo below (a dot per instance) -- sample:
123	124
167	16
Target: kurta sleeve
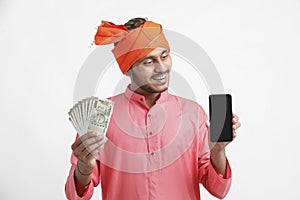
214	183
70	189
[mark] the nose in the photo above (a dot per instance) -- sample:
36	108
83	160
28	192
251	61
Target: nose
159	66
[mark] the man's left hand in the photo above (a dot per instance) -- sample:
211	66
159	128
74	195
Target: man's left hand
220	146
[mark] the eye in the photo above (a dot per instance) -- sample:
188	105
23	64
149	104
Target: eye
148	62
164	55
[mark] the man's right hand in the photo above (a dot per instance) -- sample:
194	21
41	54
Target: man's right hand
86	149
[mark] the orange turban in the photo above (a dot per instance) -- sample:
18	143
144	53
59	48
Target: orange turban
132	44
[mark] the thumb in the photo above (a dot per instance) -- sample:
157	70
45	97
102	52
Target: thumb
207	124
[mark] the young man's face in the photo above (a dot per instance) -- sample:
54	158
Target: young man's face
151	73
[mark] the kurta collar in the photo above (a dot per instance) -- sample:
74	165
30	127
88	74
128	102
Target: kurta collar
133	96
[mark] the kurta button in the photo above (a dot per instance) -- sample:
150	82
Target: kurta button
152	153
149	115
141	99
150	133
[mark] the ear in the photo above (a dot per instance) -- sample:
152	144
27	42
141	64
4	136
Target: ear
128	73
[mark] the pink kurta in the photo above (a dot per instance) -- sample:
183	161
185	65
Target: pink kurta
159	153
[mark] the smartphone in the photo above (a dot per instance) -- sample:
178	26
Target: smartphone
220	117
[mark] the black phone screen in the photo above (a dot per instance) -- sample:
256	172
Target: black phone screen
220	116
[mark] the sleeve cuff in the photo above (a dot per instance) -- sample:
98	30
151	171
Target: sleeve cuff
216	185
71	188
220	176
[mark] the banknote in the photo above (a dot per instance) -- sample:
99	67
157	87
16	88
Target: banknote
91	114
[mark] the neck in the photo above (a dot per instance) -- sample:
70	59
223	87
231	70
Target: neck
149	97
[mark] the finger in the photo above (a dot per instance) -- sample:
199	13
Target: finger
87	157
234	120
207	124
92	140
79	151
235	116
234	127
85	153
97	149
96	146
76	144
237	125
95	152
234	134
88	135
82	149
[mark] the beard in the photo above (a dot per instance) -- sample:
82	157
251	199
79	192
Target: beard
150	87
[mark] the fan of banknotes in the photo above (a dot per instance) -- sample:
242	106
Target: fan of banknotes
91	114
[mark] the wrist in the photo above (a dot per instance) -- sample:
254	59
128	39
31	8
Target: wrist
83	173
217	154
84	169
218	161
218	149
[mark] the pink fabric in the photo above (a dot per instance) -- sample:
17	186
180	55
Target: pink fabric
158	153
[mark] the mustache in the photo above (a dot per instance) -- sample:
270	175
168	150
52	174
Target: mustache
161	73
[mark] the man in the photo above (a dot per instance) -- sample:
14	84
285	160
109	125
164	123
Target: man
158	144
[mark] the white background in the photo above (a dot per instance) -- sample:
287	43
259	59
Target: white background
254	44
